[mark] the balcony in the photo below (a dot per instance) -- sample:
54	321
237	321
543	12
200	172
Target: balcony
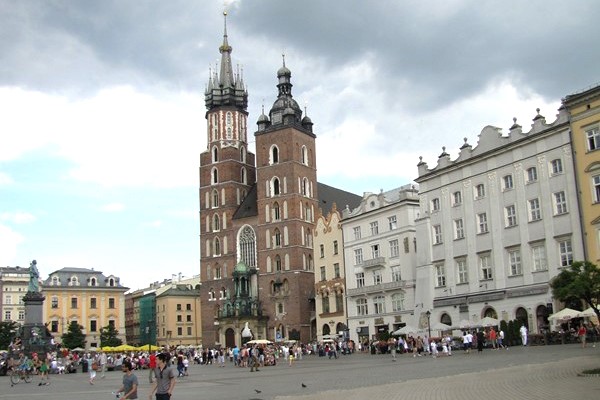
384	287
372	263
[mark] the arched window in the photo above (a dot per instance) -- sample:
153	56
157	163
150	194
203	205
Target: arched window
214	176
274	155
446	319
305	189
247	246
277	263
217	274
243	154
215	154
275	190
216	223
215	198
398	302
93	282
326	329
521	315
243	176
277	238
217	247
308	213
111	282
490	312
229	125
304	155
211	294
276	212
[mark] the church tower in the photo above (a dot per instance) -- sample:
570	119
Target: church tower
227	174
287	202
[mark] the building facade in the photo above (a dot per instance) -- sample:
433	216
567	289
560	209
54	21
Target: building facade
380	254
177	316
87	297
584	113
257	214
330	281
14	282
497	224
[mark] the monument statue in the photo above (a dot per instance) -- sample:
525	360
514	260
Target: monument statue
34	274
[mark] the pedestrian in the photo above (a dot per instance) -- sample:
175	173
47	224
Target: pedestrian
582	333
102	361
500	339
130	382
92	366
164	381
493	338
523	332
480	340
44	368
151	366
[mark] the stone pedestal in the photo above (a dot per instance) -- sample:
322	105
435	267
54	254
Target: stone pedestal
34	335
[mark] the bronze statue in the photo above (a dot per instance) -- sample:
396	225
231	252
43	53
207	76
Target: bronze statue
34	284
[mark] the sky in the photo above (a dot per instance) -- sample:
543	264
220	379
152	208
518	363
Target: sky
102	115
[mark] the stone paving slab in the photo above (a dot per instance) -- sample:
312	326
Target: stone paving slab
544	372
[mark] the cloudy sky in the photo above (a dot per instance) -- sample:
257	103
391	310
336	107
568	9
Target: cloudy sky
102	112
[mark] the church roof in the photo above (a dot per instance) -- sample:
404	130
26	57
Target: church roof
249	206
329	195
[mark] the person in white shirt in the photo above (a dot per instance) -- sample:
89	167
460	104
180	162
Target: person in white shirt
523	331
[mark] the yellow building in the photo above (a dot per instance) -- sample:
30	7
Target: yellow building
87	297
178	315
584	113
330	288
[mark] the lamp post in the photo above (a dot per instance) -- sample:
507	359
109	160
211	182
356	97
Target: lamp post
428	314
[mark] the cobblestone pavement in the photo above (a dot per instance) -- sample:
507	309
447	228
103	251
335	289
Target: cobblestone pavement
544	372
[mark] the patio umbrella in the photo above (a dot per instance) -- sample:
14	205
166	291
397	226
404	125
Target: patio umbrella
564	315
439	326
588	313
488	321
406	330
259	341
107	349
145	347
466	324
79	349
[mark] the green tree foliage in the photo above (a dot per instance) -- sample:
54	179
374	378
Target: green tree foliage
8	330
580	281
74	336
108	337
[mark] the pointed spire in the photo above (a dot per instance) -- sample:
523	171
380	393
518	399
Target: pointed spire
226	75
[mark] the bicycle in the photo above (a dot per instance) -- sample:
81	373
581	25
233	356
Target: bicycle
18	375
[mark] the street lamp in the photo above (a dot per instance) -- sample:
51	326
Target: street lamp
428	314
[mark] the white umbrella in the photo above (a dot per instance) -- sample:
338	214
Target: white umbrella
439	326
406	330
488	321
466	324
564	315
588	313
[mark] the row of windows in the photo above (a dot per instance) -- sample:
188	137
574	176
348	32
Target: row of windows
479	190
379	304
215	154
74	281
593	138
8	299
93	325
275	159
534	212
514	259
335	249
214	176
377	276
374	227
75	300
394	250
339	304
8	315
336	272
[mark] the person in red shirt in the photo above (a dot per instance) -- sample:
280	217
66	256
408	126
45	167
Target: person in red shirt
582	333
152	365
492	335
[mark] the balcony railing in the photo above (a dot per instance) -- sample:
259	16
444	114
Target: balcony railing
373	262
381	287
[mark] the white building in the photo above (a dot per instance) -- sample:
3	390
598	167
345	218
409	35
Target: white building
380	257
14	282
496	224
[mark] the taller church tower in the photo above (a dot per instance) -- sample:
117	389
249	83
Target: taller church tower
257	217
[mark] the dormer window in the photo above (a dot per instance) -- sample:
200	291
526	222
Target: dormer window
73	281
55	281
111	282
93	281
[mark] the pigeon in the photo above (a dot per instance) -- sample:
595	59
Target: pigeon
258	391
303	385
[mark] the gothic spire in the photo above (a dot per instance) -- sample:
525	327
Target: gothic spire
226	76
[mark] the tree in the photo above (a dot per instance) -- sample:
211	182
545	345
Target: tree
8	330
108	336
580	281
74	336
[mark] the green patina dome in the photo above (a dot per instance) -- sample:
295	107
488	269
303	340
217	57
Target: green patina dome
241	267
